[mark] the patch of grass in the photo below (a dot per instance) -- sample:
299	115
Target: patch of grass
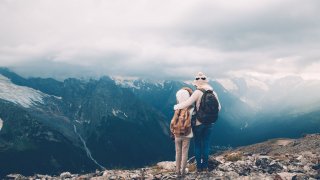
233	157
192	167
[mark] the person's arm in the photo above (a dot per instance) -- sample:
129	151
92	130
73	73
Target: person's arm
191	100
218	100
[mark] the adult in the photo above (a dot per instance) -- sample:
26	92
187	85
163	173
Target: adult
180	126
202	132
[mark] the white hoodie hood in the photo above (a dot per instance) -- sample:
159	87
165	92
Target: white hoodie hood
182	95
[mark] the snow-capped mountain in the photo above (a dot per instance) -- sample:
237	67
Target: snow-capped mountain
290	93
78	125
21	95
93	124
137	83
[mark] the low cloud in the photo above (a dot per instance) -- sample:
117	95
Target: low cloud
160	39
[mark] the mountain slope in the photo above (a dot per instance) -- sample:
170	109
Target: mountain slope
279	159
28	146
95	122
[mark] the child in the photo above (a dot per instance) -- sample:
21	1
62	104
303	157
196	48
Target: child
180	126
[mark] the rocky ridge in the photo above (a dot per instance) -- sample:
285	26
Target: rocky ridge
277	159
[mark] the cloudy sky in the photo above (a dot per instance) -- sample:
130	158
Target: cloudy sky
164	39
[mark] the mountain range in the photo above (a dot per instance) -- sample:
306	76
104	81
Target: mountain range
50	126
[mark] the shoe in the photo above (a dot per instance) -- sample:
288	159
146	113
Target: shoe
183	173
206	170
199	170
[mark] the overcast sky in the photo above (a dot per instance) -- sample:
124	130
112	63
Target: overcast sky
163	39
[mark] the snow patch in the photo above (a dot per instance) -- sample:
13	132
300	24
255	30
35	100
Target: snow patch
245	126
82	122
1	124
57	97
160	84
21	95
125	81
228	84
117	112
136	83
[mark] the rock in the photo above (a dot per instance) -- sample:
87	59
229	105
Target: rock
220	159
306	168
40	176
300	158
278	177
135	176
269	166
232	175
65	175
158	176
245	172
236	156
192	160
167	165
213	164
150	177
262	162
16	177
300	177
113	177
286	175
247	154
316	167
219	173
276	167
86	176
192	167
106	173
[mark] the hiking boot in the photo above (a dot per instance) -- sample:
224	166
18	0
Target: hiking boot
199	170
205	170
183	173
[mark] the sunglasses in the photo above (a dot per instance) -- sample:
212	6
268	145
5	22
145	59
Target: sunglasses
203	78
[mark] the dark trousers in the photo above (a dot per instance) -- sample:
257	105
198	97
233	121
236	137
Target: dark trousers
202	135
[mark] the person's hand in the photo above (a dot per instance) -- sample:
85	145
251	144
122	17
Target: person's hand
172	136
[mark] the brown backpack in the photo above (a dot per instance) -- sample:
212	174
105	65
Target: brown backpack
181	123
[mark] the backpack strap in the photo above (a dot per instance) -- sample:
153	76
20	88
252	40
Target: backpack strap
195	104
177	119
202	90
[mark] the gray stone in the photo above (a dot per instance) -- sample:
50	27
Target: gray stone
65	175
16	177
316	167
300	177
286	175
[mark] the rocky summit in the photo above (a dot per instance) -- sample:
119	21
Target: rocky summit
276	159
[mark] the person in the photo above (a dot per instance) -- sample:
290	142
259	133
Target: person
180	126
202	132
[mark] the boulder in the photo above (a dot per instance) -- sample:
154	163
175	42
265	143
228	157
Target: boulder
65	175
167	165
286	175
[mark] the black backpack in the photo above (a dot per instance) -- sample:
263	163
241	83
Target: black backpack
209	108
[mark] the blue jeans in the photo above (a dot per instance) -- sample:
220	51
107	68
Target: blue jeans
202	135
